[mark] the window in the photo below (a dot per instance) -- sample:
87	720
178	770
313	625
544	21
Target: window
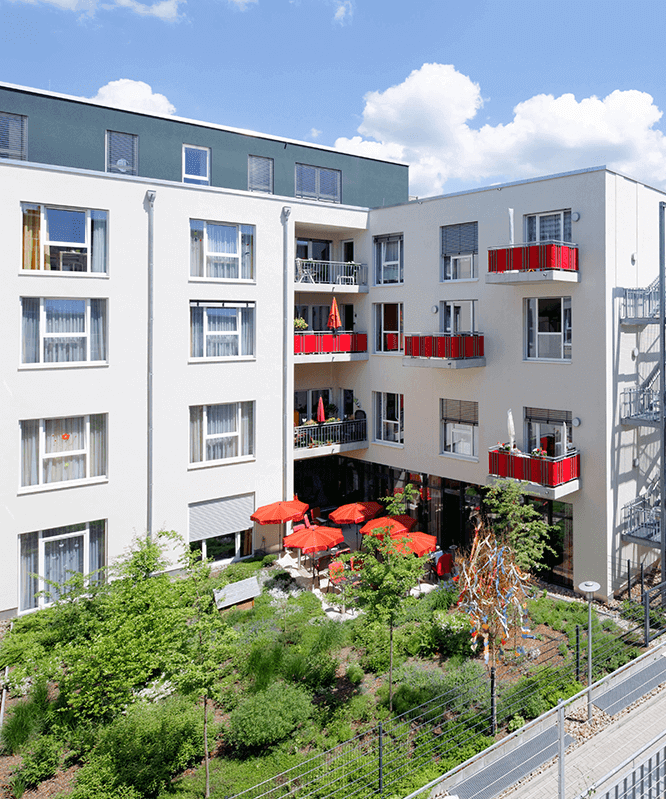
458	316
549	430
260	174
74	240
50	558
221	329
306	402
221	251
122	153
389	327
196	165
388	260
221	432
459	427
316	316
221	529
460	245
62	331
554	226
60	450
313	249
13	136
548	328
318	183
389	417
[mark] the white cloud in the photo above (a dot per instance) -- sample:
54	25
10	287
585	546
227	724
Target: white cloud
166	10
426	121
314	133
134	95
343	12
242	5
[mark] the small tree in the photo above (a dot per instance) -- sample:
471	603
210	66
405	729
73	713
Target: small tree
518	523
396	503
384	580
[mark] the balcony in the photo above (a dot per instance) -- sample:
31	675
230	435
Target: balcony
444	350
547	477
640	306
314	440
641	522
323	347
533	263
320	276
640	407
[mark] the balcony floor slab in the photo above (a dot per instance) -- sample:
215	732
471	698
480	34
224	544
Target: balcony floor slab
537	490
444	363
331	357
539	276
331	449
646	541
329	288
639	421
639	321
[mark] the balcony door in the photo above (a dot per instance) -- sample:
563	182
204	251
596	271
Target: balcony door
313	249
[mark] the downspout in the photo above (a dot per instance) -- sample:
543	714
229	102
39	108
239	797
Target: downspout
150	200
287	340
662	391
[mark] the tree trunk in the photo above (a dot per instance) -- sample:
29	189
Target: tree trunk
391	667
207	794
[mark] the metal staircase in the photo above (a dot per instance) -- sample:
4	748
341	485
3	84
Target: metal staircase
640	306
642	405
641	518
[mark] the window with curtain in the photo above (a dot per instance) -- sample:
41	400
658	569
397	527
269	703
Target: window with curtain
64	239
62	331
122	153
260	174
389	417
459	427
221	329
71	448
318	183
13	136
221	432
196	165
221	251
553	226
389	327
50	558
460	246
389	260
548	328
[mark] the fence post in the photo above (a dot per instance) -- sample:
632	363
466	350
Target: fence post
493	702
628	579
642	583
578	653
381	758
560	757
646	619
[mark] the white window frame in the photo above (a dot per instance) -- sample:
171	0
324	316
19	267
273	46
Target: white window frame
205	436
74	245
200	180
451	268
237	255
383	424
452	259
565	219
10	150
237	307
316	193
449	311
44	336
383	268
270	164
381	331
43	456
458	434
41	600
565	335
130	169
238	544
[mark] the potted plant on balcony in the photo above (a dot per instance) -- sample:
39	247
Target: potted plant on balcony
300	323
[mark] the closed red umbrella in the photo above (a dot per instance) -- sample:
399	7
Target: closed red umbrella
334	321
291	510
417	543
382	525
321	414
355	513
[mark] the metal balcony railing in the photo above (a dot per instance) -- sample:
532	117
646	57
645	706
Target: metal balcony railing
640	404
313	342
534	257
332	273
307	436
642	519
444	345
641	303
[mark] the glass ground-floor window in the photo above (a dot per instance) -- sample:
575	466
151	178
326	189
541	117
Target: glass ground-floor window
224	547
221	529
50	558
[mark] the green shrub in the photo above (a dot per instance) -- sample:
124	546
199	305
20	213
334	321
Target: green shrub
39	764
268	560
453	634
240	570
267	717
516	723
98	780
373	638
28	717
355	674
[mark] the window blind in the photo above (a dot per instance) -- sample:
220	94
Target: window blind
547	416
260	174
463	238
220	516
461	411
13	136
122	153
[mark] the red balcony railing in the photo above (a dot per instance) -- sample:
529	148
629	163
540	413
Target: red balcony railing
444	345
546	471
321	343
533	257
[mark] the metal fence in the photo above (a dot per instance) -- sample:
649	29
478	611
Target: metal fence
307	436
640	403
336	273
641	303
645	780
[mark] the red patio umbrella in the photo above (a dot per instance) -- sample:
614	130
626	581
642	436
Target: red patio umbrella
314	539
334	321
382	525
355	513
321	413
289	510
418	543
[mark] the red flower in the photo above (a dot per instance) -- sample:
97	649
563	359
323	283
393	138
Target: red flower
65	436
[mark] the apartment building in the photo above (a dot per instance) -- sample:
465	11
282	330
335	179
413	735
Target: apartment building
153	378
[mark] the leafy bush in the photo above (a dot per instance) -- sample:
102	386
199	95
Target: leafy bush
355	674
28	717
268	560
39	764
516	723
267	717
454	634
373	638
240	570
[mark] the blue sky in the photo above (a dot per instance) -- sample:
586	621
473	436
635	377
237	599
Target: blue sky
468	93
